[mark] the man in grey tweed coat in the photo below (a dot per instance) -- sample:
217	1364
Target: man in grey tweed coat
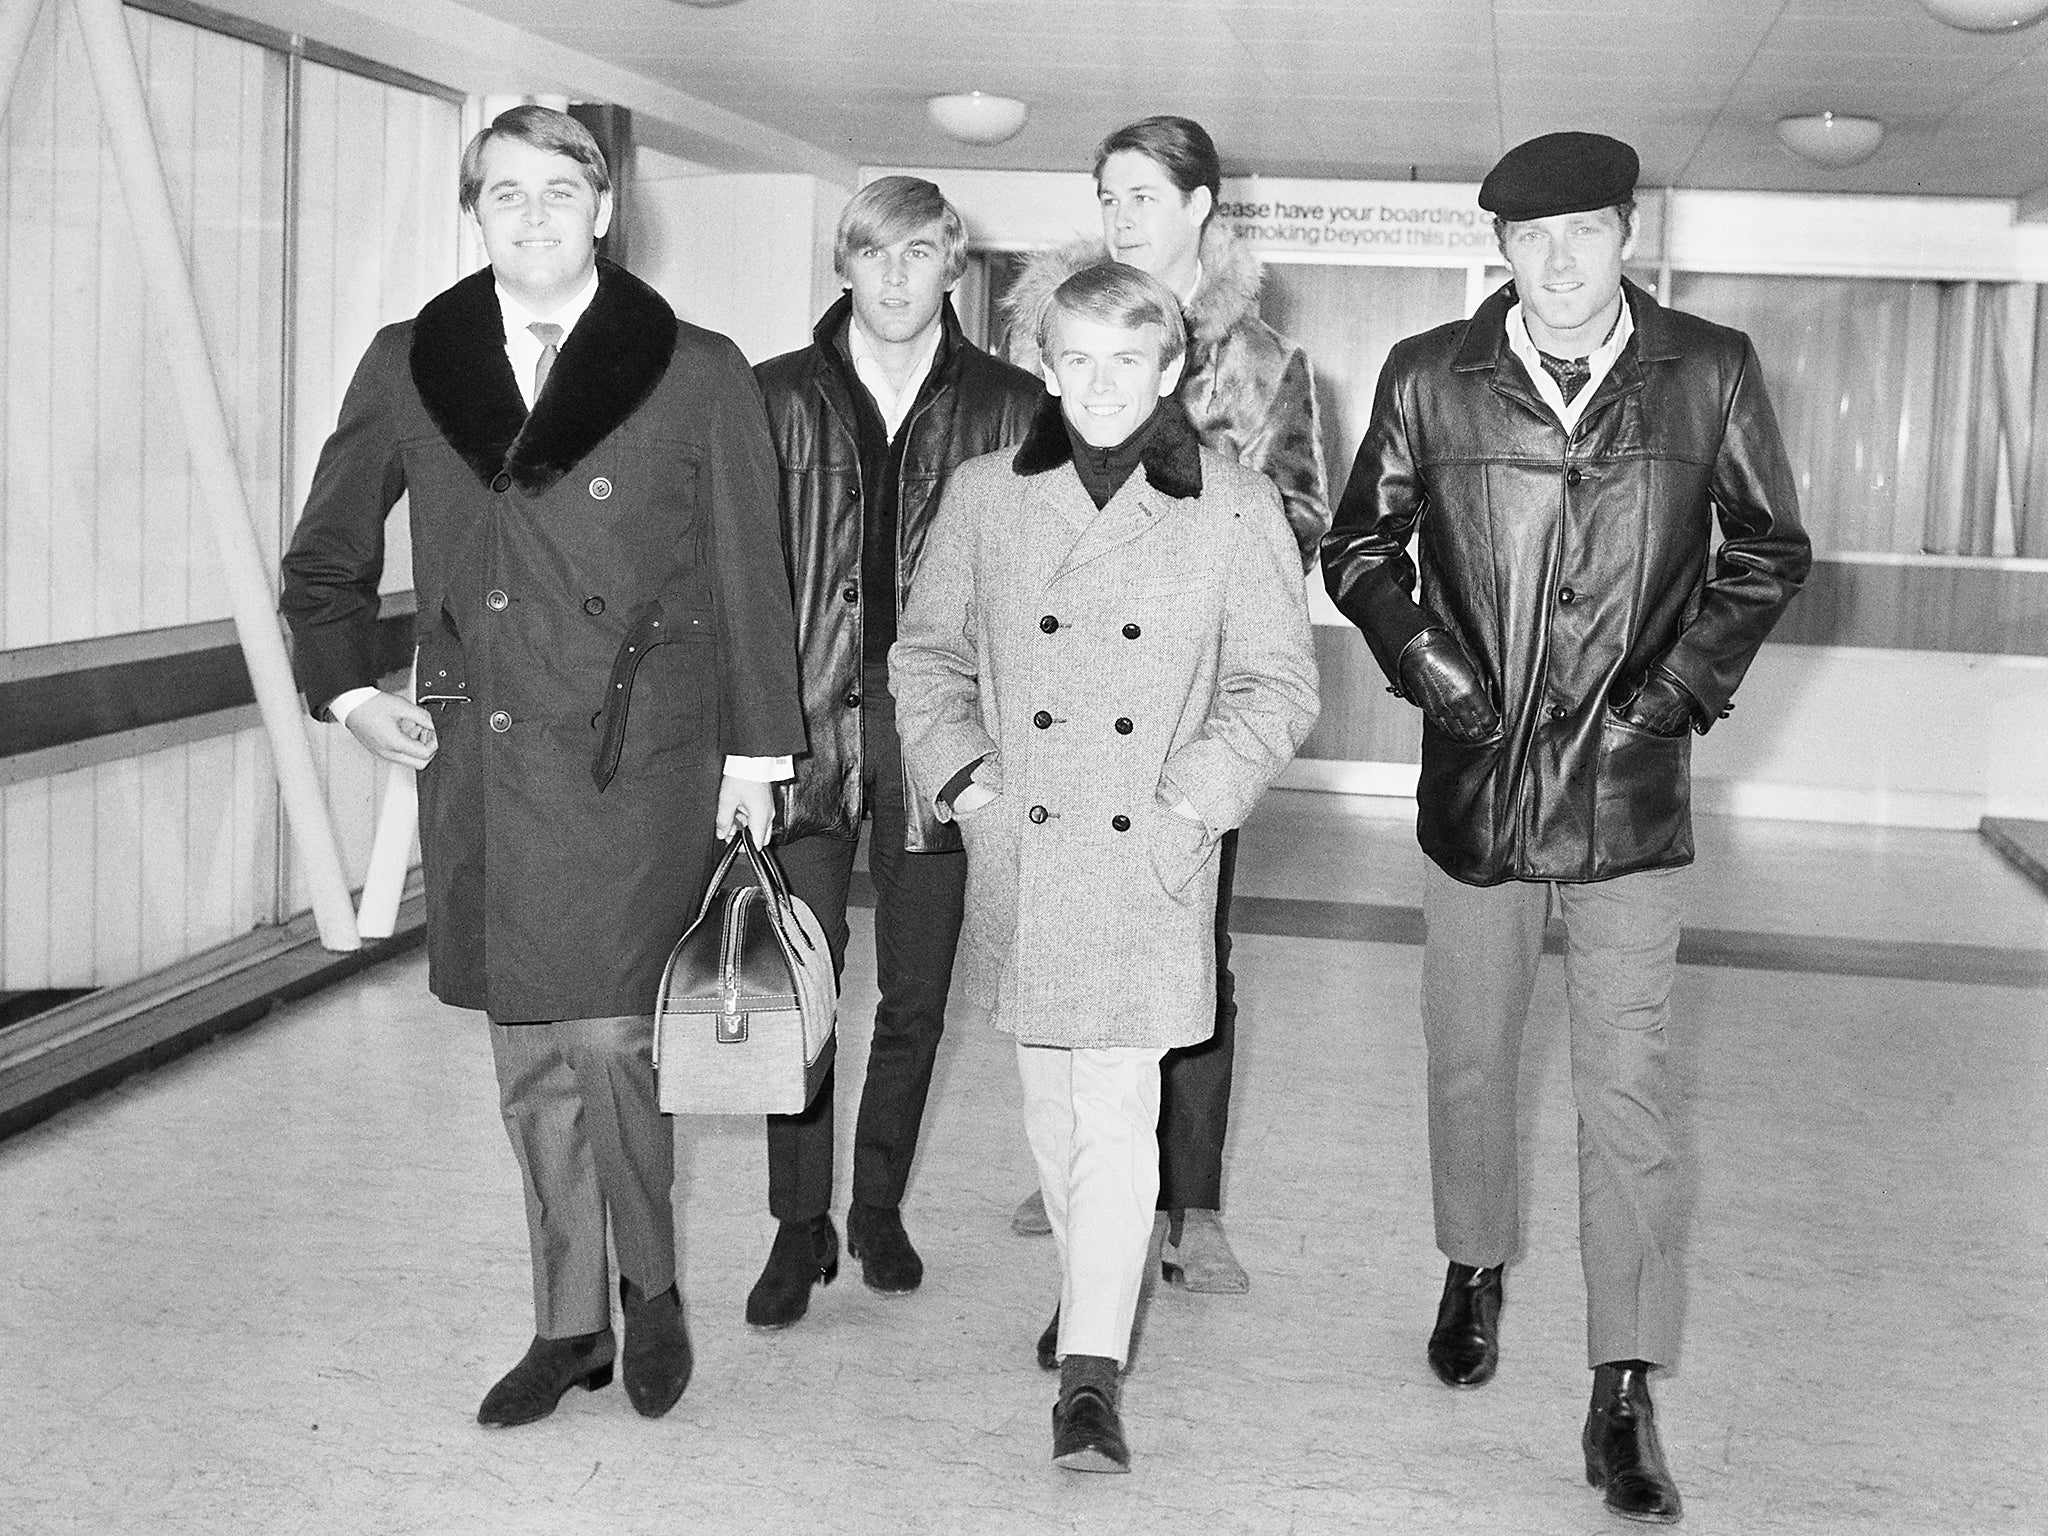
1104	662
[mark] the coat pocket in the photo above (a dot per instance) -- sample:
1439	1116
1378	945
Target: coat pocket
1642	813
1179	850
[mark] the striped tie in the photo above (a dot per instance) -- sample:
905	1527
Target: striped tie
550	339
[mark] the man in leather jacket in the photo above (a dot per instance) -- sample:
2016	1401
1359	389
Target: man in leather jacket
1561	459
869	421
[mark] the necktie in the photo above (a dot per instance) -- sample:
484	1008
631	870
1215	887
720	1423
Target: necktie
550	338
1571	373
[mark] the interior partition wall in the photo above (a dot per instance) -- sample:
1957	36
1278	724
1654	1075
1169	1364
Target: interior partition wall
139	815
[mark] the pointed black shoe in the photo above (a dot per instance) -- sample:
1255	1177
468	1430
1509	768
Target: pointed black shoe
806	1253
1049	1344
1087	1434
1623	1457
1464	1347
875	1236
550	1367
657	1356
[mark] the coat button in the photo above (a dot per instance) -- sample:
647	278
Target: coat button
1048	623
593	606
1131	631
600	489
1038	814
1120	823
853	493
497	601
1572	476
851	595
1557	711
1567	596
853	698
502	484
1123	727
500	721
1043	719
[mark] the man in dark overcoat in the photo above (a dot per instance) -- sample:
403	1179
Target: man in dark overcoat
870	421
1561	460
605	669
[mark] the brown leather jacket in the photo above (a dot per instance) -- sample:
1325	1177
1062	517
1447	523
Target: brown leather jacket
972	404
1567	568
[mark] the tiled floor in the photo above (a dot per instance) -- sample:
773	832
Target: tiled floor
264	1288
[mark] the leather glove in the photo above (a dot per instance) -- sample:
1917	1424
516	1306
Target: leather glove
1663	706
1438	676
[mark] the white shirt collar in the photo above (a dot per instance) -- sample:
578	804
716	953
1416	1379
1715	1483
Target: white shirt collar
1599	362
1193	288
522	347
894	404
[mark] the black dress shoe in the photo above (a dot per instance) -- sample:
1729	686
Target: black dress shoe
1623	1458
875	1236
1464	1347
1087	1435
549	1368
1049	1344
806	1253
657	1353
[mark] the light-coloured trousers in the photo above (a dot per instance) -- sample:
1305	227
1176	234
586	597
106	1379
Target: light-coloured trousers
1478	971
1092	1119
579	1104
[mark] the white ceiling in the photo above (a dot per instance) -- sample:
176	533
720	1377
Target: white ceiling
1360	88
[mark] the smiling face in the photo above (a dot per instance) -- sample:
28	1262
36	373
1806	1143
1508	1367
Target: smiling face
1147	221
1109	378
540	218
1568	276
898	288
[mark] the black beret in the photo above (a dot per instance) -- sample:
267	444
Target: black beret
1560	173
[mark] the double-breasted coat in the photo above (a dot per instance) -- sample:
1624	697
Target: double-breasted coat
1101	666
603	617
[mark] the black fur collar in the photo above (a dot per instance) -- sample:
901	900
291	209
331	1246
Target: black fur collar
1172	462
608	367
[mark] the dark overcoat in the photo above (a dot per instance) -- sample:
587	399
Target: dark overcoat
1568	564
603	617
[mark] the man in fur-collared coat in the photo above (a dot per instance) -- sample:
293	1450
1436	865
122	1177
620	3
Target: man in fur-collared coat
1104	662
606	667
1250	394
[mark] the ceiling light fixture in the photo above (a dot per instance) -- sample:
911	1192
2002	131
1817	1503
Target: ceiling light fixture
975	117
1987	15
1830	138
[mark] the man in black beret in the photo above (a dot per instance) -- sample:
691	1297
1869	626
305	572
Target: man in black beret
1560	459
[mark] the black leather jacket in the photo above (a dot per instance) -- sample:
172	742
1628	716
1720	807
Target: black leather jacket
1567	568
972	404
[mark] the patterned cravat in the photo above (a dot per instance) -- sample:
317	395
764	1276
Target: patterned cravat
550	339
1571	373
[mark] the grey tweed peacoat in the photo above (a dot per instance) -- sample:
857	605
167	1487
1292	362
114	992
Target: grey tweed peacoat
1101	666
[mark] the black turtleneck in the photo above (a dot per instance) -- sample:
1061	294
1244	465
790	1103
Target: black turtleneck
1103	471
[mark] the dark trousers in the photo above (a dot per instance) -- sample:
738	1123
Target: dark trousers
1194	1081
919	898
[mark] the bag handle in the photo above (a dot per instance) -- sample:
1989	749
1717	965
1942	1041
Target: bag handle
767	873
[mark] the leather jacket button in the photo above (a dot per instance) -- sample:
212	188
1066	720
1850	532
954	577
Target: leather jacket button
497	601
502	484
853	493
850	595
1038	814
1557	711
1120	823
500	721
1131	631
853	698
1567	596
1048	624
1043	719
593	606
1572	476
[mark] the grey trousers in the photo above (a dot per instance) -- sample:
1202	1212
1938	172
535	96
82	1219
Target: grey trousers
1478	971
578	1101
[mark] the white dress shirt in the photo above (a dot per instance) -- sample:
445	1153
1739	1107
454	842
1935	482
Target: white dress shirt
1600	361
893	403
522	350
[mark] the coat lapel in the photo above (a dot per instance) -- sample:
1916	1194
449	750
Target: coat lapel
608	367
1170	471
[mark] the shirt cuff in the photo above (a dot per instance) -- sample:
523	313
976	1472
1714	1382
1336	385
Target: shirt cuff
761	770
339	706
